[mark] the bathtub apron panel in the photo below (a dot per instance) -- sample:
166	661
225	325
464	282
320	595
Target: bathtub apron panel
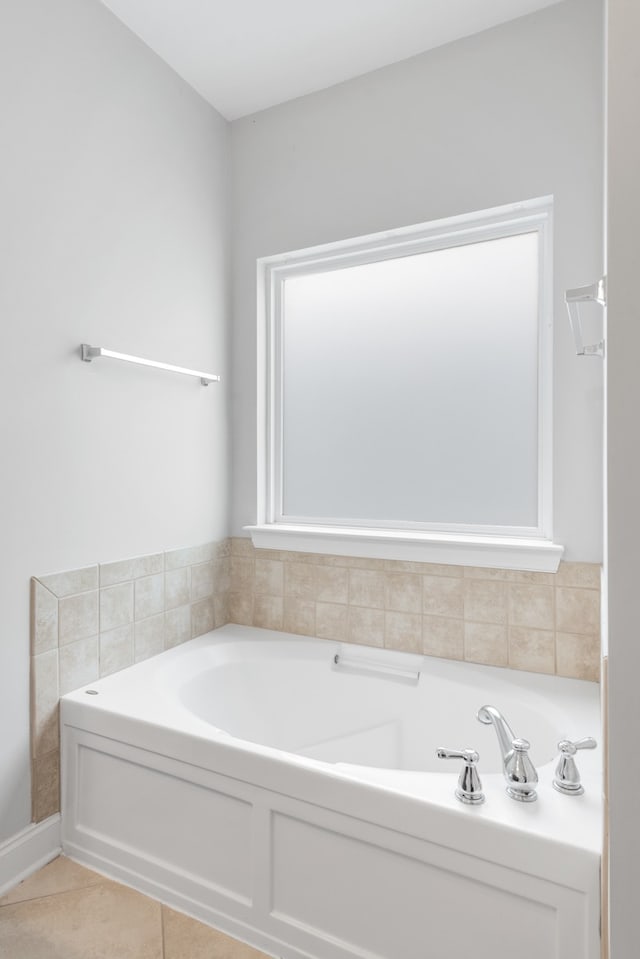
310	860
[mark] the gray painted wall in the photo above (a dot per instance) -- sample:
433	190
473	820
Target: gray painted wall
509	114
113	205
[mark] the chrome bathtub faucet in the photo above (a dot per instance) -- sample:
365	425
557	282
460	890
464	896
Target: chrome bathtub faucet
519	771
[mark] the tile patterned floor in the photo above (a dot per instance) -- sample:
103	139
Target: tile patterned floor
65	911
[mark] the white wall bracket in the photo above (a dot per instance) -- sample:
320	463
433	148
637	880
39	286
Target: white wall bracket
595	293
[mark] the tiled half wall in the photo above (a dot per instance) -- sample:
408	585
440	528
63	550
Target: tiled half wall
87	623
542	622
90	622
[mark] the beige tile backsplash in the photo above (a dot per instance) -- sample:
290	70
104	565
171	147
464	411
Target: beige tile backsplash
91	622
77	617
542	622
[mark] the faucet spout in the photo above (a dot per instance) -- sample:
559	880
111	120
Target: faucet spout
519	771
504	732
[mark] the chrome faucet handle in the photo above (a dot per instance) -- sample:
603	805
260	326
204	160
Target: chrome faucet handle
469	789
567	777
520	772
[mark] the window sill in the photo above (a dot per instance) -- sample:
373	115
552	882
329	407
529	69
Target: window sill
537	555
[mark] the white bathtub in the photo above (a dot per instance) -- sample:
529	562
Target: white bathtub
248	780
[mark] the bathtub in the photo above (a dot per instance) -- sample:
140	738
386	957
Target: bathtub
287	791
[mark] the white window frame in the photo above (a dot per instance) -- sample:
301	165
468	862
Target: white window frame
506	547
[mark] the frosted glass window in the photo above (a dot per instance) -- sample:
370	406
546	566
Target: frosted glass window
409	389
408	383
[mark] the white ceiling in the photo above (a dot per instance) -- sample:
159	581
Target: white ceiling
246	55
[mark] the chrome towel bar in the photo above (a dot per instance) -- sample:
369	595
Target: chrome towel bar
90	353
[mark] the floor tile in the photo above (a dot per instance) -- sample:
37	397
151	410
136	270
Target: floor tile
103	921
61	875
184	938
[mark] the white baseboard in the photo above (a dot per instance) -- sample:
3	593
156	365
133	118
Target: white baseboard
28	851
